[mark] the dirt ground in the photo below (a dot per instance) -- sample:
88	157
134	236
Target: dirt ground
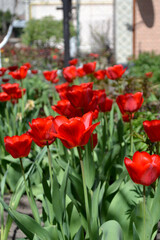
15	233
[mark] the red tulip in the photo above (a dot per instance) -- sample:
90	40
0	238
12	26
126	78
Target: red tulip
55	57
34	71
73	61
94	55
70	73
129	102
81	98
18	146
80	72
10	88
89	68
5	80
13	68
42	131
149	74
4	97
115	72
20	73
127	117
152	128
76	131
104	103
19	93
27	64
65	108
100	74
50	75
144	168
2	71
62	87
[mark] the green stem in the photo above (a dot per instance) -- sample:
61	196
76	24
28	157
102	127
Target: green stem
22	99
50	167
157	148
131	135
144	211
26	187
85	194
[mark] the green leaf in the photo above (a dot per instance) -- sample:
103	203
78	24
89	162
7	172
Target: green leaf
89	166
135	234
111	230
94	212
142	219
115	186
122	205
27	224
79	235
155	206
52	231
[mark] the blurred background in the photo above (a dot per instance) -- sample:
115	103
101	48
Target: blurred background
116	29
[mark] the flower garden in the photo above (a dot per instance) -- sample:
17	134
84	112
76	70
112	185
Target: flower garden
84	142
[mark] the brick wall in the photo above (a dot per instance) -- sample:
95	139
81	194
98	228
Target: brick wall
147	26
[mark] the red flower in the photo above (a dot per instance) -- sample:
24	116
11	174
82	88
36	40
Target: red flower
115	72
55	57
34	71
5	80
18	93
4	97
20	73
152	128
94	55
2	71
12	68
50	75
149	74
18	146
62	87
144	169
104	103
70	73
65	108
127	117
80	72
130	103
73	61
76	131
82	99
42	131
100	74
10	88
89	68
28	65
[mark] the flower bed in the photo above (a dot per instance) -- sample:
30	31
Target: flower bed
86	148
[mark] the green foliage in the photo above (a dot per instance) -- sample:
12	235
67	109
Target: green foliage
146	62
40	31
5	19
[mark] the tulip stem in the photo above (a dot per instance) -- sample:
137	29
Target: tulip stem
50	167
131	134
157	148
144	210
22	98
85	194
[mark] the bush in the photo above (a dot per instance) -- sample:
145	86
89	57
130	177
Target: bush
40	32
146	62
